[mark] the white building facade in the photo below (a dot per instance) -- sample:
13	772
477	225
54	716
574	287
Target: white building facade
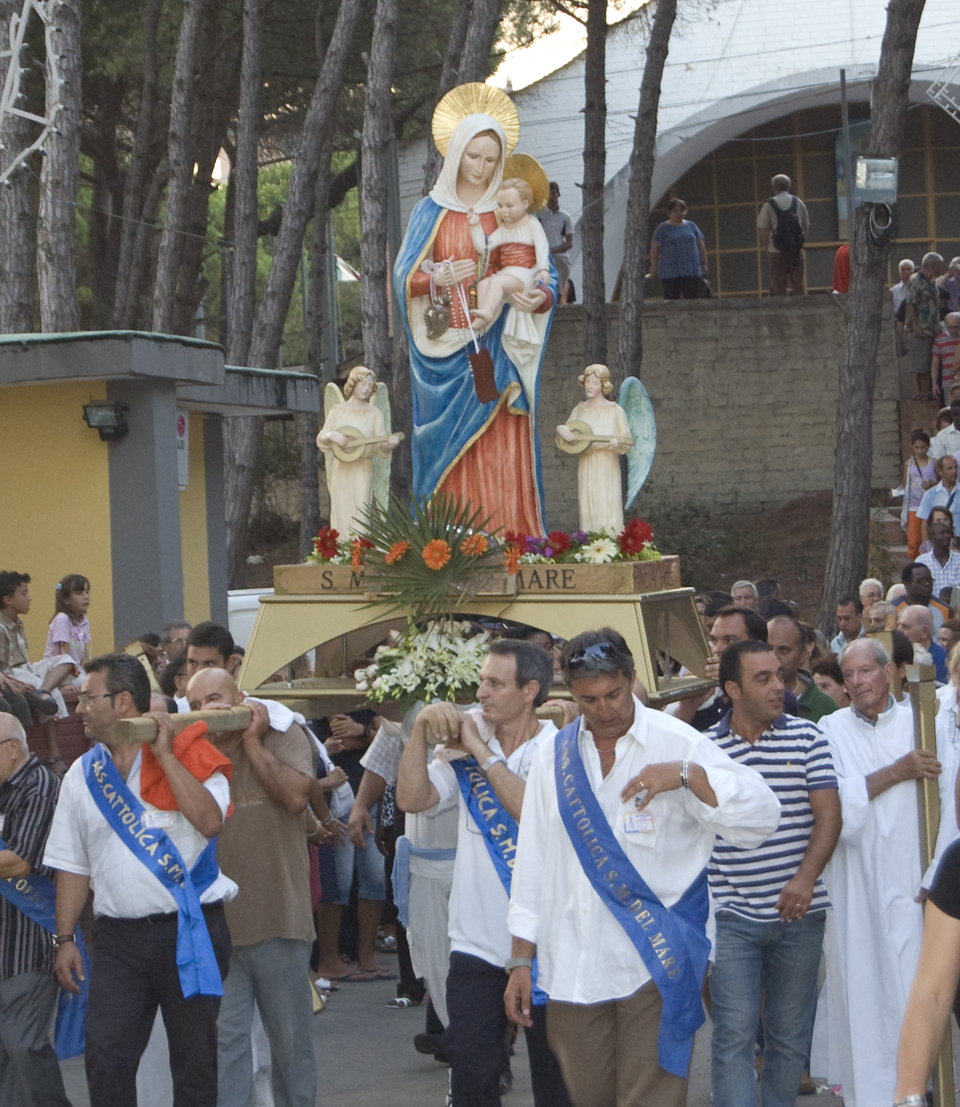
750	89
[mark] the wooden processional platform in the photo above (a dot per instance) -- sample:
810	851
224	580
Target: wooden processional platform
328	608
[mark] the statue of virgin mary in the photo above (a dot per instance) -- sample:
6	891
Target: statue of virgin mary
488	451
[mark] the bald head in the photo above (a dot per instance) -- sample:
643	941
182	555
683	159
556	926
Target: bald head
916	623
10	728
14	751
212	688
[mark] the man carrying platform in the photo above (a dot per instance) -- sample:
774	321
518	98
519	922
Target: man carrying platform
264	848
29	1072
492	748
610	883
138	827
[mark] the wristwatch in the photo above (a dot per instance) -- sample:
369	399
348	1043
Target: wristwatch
62	940
493	759
512	963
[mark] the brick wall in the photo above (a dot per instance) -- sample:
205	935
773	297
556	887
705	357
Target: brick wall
745	395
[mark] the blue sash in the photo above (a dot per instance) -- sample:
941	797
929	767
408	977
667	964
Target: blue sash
34	896
400	876
671	941
196	962
499	829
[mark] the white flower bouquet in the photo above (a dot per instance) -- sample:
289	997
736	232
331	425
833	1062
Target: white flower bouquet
437	662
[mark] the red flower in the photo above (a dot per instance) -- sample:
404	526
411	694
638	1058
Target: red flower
396	551
559	542
436	554
326	544
474	545
512	538
634	536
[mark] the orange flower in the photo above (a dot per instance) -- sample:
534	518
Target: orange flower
475	545
511	559
358	548
396	551
436	554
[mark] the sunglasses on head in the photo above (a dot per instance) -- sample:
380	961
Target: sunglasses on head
606	651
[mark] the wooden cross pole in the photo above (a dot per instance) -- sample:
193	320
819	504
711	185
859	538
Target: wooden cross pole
142	729
921	680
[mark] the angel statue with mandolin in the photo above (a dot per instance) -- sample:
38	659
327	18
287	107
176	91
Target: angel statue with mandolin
354	432
598	430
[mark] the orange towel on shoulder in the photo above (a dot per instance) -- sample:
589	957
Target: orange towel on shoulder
195	753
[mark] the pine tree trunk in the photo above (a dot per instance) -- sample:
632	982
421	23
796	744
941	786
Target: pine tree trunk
242	434
594	176
316	357
180	165
59	176
125	299
642	158
448	78
869	254
478	42
374	175
17	211
243	176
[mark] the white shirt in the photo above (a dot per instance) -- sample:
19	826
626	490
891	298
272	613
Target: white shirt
948	754
583	953
478	902
433	829
945	442
82	841
899	292
183	704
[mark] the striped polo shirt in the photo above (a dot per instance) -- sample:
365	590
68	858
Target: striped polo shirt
793	757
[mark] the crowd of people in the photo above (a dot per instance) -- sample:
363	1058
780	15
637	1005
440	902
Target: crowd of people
595	875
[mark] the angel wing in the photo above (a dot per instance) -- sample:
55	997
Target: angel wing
381	465
331	397
643	426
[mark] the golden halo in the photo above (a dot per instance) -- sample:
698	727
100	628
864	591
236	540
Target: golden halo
530	170
474	99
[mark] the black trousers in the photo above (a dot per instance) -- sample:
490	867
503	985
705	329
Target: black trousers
134	973
474	1039
15	704
681	288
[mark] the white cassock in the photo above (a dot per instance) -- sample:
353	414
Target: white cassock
948	754
873	934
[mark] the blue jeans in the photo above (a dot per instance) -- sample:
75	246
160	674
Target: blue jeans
274	973
781	960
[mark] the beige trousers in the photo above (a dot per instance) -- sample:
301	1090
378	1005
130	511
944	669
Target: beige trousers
608	1052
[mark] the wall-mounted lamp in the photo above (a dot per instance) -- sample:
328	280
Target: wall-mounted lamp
109	420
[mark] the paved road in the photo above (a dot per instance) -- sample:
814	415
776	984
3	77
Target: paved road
366	1059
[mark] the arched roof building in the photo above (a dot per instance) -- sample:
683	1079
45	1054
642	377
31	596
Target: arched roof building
750	89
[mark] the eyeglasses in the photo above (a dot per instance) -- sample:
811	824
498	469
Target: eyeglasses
5	740
86	697
604	651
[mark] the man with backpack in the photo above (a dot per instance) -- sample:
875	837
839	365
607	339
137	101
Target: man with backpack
783	224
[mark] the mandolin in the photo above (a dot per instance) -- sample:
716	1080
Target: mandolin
358	443
585	438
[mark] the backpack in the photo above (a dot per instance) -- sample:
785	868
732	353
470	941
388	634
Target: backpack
788	237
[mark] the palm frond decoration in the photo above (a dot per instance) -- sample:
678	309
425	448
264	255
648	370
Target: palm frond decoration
432	558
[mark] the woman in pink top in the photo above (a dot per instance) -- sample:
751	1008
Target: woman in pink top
918	476
69	630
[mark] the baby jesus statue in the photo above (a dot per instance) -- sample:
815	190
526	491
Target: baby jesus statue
524	250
